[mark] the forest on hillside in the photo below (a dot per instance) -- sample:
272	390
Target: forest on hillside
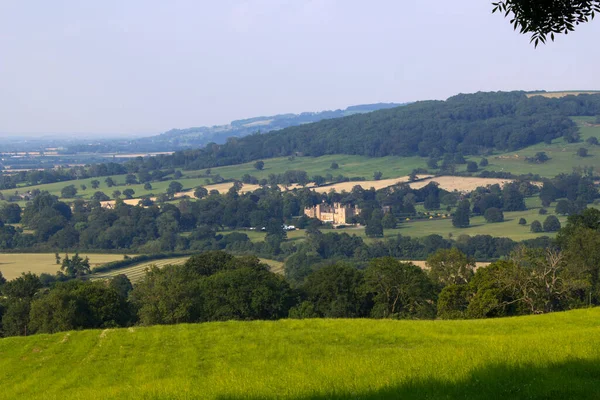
464	124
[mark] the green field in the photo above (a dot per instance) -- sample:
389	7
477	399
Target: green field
563	157
13	264
553	356
136	272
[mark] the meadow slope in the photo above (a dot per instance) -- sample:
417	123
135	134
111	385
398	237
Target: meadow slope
534	357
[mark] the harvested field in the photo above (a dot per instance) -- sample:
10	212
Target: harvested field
12	265
555	95
136	272
380	184
460	183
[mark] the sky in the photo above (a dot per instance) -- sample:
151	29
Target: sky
131	67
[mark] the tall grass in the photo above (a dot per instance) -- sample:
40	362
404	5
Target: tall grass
537	357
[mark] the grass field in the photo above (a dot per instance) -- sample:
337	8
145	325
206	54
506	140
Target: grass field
563	157
136	272
12	265
554	356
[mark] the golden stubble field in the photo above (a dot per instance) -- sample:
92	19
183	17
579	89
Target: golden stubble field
12	265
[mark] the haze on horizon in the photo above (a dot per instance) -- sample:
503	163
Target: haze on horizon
148	66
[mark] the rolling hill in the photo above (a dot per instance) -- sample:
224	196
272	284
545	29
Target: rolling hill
534	357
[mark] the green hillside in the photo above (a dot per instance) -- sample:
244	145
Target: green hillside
554	356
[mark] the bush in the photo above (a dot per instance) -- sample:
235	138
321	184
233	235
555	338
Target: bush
484	162
543	211
536	227
522	221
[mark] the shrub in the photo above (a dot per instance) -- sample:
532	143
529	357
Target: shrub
522	221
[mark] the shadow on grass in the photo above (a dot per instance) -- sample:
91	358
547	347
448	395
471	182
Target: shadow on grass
575	379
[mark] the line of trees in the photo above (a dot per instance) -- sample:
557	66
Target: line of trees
216	286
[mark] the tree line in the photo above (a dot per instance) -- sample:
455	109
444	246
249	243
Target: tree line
216	286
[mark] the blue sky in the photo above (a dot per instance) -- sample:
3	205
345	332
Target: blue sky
133	66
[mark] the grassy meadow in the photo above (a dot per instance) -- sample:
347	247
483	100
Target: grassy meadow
553	356
13	264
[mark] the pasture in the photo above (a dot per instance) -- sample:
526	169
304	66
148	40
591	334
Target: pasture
552	356
12	265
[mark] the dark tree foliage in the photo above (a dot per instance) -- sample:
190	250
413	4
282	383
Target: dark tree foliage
541	18
494	215
551	224
536	227
336	291
522	221
461	217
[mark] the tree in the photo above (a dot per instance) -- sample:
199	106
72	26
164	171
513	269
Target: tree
169	295
450	267
109	182
131	179
336	292
2	282
79	305
259	165
100	196
68	192
563	207
334	165
432	201
399	289
246	292
83	187
522	221
177	174
582	152
493	214
200	192
128	193
592	140
374	226
543	18
76	266
95	184
472	166
389	221
484	162
10	213
174	187
461	219
453	302
116	194
377	175
540	157
147	186
551	224
512	198
536	227
122	285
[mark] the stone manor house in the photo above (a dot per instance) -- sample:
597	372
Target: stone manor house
336	214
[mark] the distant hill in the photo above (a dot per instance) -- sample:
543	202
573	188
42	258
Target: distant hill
465	124
199	136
